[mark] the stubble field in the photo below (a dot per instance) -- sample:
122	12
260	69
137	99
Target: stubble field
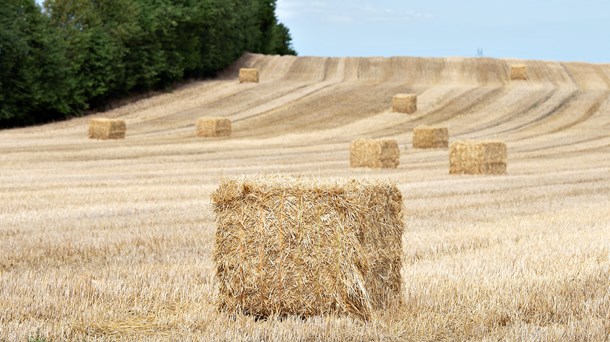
113	239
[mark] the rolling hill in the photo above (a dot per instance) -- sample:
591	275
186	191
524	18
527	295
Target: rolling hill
114	238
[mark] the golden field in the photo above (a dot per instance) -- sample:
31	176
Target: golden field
113	240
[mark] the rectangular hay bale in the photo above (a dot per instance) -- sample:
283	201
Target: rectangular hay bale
478	158
210	127
375	153
248	75
307	247
518	73
430	137
404	103
103	129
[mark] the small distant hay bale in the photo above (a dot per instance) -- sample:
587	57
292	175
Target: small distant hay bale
374	153
518	73
307	247
430	137
248	75
478	158
404	103
104	129
212	127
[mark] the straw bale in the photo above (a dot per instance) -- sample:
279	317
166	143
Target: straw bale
213	127
374	153
104	129
430	137
518	73
307	247
248	75
404	103
478	158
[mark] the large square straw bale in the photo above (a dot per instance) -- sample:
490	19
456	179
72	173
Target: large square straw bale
248	75
404	103
210	127
518	73
307	247
478	158
104	129
430	137
374	153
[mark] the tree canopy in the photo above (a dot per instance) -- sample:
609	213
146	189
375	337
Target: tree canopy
73	55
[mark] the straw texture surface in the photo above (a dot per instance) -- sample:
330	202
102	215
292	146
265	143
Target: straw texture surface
210	127
248	75
306	247
375	153
518	73
104	129
478	158
404	103
426	137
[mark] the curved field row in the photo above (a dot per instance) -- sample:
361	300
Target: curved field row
113	239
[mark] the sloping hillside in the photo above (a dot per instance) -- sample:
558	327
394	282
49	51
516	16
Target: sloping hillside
310	101
114	238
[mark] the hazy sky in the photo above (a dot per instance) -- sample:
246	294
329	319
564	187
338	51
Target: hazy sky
551	29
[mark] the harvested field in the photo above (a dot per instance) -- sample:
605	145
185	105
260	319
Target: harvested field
114	240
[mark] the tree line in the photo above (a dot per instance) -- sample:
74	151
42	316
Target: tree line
67	56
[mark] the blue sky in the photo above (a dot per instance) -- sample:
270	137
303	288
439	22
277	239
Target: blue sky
549	30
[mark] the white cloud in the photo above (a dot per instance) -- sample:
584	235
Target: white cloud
342	13
286	9
340	18
380	14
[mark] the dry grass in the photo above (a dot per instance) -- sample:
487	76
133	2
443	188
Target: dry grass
374	153
478	158
104	129
308	247
248	75
114	240
427	137
518	72
404	103
212	127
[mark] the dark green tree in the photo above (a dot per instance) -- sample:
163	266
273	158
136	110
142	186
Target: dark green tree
81	54
36	82
281	42
95	32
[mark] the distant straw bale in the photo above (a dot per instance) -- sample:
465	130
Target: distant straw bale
404	103
375	153
518	73
210	127
307	247
478	158
248	75
104	129
430	137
